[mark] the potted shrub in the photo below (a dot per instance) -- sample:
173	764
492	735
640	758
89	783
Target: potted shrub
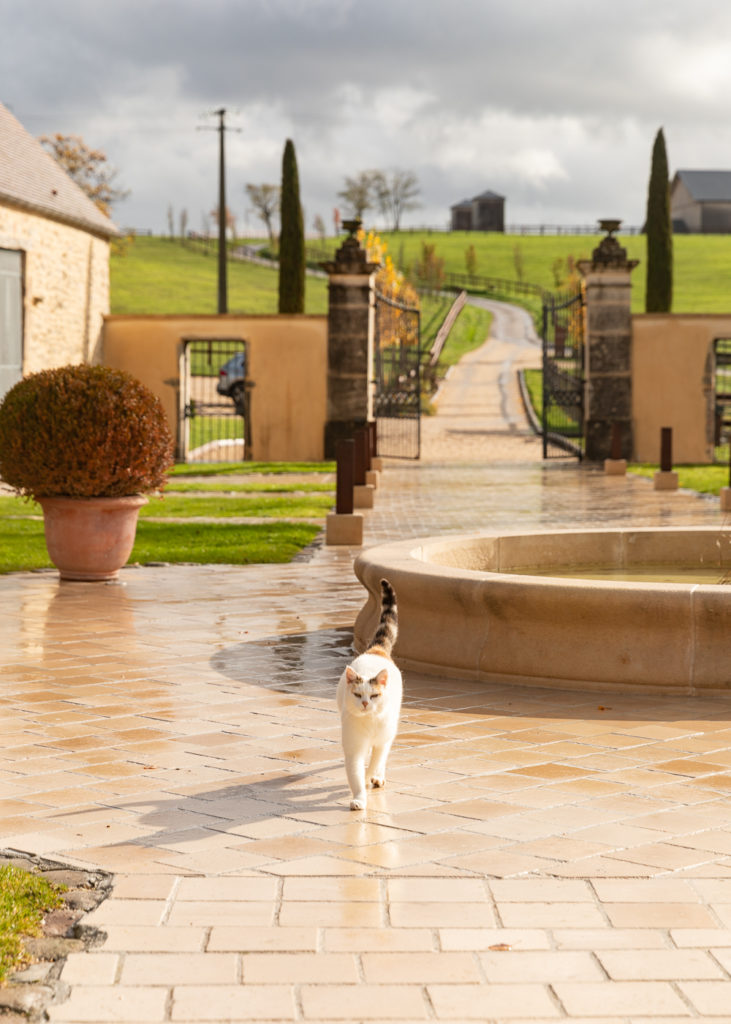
87	443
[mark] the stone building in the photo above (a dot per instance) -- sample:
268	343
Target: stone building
700	202
54	261
485	212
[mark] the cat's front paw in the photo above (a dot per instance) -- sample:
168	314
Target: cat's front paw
357	804
378	781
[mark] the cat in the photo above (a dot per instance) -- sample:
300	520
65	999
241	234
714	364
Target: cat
369	700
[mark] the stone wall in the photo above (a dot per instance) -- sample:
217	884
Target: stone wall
66	288
673	383
287	365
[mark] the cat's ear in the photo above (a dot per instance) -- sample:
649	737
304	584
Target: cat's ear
351	675
382	677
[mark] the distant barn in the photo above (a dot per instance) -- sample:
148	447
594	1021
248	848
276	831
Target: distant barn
700	202
485	212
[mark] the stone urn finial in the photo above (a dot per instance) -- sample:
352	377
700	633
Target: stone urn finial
609	252
351	257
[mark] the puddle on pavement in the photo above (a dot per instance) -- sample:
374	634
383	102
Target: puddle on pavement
308	663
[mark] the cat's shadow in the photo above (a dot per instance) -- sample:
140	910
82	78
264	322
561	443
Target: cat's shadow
300	663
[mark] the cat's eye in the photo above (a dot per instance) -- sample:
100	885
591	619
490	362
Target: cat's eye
356	695
374	695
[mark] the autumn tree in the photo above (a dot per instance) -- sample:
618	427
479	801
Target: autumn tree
430	268
265	200
658	226
88	167
395	192
291	237
230	220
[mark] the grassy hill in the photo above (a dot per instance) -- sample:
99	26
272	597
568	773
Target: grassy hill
157	275
702	263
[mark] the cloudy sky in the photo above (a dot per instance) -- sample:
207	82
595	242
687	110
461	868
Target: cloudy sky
552	103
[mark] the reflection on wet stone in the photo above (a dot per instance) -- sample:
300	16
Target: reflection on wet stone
300	662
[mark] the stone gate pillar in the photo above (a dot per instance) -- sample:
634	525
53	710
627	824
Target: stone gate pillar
350	327
608	390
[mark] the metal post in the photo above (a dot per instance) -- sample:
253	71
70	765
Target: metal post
374	437
222	282
616	441
361	456
345	474
666	449
544	383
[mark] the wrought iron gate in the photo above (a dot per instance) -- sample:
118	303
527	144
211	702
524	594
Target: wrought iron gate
563	376
215	420
722	397
397	400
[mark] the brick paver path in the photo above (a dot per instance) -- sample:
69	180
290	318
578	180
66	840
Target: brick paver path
536	856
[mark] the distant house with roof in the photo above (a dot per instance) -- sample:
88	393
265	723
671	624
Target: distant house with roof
700	202
485	212
54	261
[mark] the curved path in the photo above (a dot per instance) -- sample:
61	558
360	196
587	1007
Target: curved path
480	412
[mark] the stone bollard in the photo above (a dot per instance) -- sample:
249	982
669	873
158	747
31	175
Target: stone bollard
344	526
665	479
615	465
363	491
376	460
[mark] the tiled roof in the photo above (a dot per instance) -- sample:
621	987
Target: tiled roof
707	186
483	195
32	179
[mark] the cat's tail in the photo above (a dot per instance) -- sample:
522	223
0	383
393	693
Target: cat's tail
385	635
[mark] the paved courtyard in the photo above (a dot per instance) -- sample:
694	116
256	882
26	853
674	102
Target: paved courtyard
536	855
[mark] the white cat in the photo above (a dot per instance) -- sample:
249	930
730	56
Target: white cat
369	700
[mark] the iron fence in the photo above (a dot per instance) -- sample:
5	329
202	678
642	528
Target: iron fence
397	399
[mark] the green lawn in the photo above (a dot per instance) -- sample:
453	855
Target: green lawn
293	506
215	498
703	479
246	468
23	899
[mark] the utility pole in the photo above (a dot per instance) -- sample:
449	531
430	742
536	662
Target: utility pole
222	266
222	275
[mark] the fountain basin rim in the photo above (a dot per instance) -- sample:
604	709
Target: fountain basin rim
460	620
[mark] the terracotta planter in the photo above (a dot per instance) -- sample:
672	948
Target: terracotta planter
90	538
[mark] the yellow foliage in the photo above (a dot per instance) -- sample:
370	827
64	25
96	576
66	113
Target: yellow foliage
395	326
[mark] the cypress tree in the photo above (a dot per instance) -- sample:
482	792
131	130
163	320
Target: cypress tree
292	238
658	227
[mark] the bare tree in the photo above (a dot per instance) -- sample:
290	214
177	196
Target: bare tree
395	193
358	193
319	225
265	200
183	223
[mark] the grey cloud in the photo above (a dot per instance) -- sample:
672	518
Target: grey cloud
139	75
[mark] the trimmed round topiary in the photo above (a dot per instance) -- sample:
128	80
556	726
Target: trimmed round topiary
83	431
